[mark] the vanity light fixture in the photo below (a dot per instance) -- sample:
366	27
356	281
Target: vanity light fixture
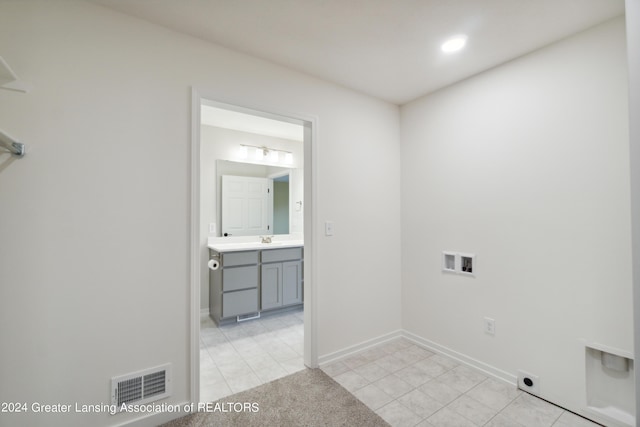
454	44
288	158
244	152
266	153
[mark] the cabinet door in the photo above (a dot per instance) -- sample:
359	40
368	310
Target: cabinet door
291	282
271	286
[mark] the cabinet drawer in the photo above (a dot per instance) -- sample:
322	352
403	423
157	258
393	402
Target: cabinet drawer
240	302
239	278
229	259
275	255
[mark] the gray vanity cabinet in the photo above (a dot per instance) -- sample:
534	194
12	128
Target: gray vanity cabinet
281	278
233	288
251	281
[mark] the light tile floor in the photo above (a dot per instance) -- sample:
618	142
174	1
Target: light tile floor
405	384
408	385
239	356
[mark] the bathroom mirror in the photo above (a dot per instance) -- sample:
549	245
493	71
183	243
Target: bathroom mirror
279	213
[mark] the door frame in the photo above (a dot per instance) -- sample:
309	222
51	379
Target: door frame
310	124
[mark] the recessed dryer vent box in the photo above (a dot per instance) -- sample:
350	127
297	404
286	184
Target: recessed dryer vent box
610	384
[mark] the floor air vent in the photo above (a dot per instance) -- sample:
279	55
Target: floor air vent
141	387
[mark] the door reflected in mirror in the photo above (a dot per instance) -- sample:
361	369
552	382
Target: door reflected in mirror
255	200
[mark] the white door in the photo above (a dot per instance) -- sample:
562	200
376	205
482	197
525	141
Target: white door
246	206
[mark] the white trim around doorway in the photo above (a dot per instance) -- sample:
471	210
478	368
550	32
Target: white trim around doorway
310	124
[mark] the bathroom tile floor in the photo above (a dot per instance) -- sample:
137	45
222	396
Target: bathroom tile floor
239	356
404	383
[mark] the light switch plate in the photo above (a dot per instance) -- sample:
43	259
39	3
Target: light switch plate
328	228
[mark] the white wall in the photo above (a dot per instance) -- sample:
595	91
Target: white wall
94	229
526	166
633	54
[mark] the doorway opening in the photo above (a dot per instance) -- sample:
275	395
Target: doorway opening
231	355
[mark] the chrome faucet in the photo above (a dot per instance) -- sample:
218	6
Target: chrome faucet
266	239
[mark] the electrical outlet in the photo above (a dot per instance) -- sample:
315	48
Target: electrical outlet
212	228
489	326
529	382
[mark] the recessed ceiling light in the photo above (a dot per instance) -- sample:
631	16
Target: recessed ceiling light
454	44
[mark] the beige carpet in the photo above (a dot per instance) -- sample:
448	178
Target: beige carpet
306	398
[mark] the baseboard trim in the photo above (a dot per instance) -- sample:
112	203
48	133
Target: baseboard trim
462	358
358	348
489	370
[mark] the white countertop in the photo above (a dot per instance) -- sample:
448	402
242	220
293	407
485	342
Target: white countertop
224	246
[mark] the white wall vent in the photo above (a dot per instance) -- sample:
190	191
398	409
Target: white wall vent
141	387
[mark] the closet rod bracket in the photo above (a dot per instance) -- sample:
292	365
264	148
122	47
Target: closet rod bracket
16	148
19	149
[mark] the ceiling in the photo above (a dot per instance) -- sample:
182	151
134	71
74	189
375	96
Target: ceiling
244	122
389	49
